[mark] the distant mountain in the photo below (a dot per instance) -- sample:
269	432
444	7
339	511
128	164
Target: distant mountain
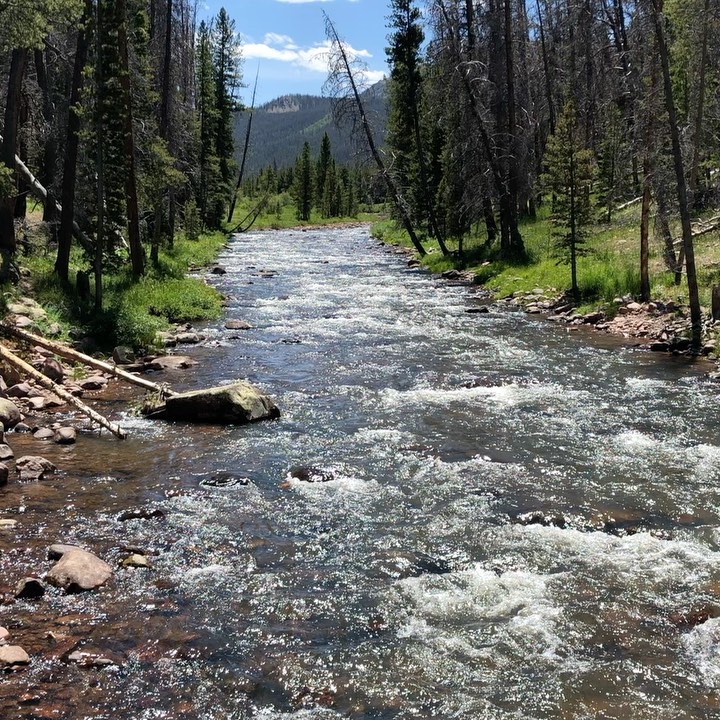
281	126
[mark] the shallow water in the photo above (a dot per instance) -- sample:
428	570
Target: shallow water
409	586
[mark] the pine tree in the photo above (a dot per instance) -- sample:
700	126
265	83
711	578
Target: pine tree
303	187
321	168
569	177
226	51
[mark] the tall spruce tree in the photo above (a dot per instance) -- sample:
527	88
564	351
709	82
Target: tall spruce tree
303	185
405	131
570	171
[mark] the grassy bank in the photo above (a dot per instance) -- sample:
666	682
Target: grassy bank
133	311
280	214
610	269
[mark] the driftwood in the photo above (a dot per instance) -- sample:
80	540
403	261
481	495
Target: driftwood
61	392
703	227
70	354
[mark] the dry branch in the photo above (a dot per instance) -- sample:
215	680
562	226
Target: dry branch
60	391
70	354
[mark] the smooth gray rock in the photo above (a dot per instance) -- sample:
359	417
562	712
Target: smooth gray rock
238	325
78	571
65	436
6	452
123	355
238	403
44	434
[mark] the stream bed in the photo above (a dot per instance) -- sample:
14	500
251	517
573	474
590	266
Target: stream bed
515	522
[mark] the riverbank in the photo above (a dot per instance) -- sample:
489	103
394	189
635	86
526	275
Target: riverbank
608	278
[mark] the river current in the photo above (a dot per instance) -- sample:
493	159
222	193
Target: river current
517	524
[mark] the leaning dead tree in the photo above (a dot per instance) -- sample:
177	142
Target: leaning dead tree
344	78
238	185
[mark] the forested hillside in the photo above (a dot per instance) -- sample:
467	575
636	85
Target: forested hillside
282	126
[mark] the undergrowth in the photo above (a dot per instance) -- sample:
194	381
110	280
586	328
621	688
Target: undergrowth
133	310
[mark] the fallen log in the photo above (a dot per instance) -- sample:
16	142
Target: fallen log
60	391
70	354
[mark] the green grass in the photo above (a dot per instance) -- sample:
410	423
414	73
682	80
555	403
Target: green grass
133	310
609	269
280	214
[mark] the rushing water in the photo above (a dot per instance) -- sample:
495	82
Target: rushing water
414	584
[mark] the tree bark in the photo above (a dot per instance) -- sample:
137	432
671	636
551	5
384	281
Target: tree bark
136	251
8	150
698	127
72	145
50	146
695	312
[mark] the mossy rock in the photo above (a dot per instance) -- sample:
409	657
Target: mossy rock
234	404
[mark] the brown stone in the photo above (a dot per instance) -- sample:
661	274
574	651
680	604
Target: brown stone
13	656
79	570
34	467
29	588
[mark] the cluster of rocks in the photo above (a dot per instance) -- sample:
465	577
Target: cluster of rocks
73	570
663	325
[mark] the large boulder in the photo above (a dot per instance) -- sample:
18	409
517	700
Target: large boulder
237	404
9	413
79	570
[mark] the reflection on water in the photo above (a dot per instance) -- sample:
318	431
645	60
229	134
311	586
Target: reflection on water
512	520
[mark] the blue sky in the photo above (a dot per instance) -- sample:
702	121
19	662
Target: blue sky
286	38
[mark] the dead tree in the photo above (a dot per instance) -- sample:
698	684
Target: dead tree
342	86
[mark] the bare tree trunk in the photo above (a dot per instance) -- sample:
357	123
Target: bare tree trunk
233	201
390	183
72	144
50	147
695	312
546	70
136	251
644	231
8	150
697	130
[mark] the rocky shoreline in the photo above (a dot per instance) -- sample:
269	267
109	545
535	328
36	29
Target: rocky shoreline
659	326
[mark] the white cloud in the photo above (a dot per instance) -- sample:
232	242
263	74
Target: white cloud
283	49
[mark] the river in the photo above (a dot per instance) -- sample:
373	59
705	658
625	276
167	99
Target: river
516	518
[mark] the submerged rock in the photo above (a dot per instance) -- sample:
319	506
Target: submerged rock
238	403
78	570
399	564
310	474
34	467
142	514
